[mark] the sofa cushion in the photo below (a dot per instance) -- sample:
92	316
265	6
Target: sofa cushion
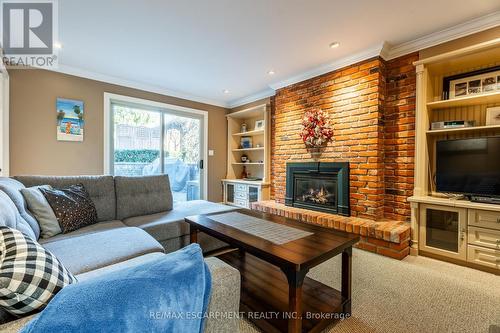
10	217
13	189
170	224
84	253
101	190
124	264
41	210
137	196
93	228
29	274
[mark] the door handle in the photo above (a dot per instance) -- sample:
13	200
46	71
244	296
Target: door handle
462	236
201	164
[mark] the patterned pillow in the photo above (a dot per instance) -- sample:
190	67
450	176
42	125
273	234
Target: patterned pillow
29	275
72	206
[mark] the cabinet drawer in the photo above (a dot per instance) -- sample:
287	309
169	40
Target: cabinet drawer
241	195
484	219
241	203
241	187
483	256
484	237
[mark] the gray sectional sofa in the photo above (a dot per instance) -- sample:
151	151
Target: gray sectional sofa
137	222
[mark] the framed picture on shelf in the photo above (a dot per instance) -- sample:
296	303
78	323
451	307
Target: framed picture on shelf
478	82
259	125
246	142
493	116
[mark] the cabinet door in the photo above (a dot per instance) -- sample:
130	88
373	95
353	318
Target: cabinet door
253	194
229	193
443	231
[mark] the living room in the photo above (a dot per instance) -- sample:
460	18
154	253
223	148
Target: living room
252	166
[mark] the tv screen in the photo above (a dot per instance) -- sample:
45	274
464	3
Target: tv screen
469	166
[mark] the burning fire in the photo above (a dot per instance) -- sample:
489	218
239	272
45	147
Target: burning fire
320	196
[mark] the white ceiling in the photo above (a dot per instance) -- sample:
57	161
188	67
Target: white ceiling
197	48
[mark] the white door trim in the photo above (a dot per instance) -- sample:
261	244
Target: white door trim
4	123
181	110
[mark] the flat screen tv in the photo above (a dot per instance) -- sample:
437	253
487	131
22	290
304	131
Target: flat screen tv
469	166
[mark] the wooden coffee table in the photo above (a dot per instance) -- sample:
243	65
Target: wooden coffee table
274	285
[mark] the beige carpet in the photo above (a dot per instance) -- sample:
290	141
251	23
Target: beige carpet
417	294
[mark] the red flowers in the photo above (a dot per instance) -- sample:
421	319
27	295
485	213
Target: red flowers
316	129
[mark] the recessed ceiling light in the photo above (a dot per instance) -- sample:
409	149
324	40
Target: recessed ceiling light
58	45
225	91
271	72
334	45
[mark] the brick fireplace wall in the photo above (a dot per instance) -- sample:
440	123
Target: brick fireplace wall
371	105
399	115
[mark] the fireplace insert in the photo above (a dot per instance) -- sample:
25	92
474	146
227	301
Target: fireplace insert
318	186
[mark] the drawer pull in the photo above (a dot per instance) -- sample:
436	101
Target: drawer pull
498	219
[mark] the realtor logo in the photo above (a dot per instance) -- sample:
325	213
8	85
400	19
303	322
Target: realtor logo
28	32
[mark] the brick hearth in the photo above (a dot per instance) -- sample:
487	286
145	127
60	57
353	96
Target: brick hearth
385	237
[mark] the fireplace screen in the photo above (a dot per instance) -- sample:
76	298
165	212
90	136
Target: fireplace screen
316	191
318	186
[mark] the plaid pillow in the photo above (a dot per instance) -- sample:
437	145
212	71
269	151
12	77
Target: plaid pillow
29	274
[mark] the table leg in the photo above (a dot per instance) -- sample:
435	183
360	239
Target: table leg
295	281
193	235
346	279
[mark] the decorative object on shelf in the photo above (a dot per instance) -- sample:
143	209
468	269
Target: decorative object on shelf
259	125
246	142
69	120
258	145
244	173
244	158
316	129
493	116
478	82
243	128
437	125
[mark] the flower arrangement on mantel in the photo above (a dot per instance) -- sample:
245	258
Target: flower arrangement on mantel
316	129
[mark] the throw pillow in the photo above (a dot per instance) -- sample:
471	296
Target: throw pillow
72	206
29	274
41	210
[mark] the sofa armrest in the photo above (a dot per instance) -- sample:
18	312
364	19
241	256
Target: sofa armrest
225	299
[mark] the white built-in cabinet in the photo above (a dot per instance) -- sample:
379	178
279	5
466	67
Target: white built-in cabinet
237	190
460	230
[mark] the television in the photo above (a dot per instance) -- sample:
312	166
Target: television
469	166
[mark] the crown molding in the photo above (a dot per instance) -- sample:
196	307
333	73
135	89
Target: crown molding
252	98
461	30
133	84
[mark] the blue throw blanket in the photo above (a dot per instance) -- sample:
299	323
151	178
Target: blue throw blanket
170	294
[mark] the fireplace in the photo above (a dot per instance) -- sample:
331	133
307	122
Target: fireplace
318	186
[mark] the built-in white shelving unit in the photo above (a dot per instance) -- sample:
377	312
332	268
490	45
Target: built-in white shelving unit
460	230
242	192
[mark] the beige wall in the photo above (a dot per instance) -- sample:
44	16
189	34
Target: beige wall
33	145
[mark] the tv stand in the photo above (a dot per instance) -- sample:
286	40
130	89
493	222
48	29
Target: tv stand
486	200
462	231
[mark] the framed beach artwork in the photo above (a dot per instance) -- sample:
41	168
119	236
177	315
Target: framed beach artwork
70	121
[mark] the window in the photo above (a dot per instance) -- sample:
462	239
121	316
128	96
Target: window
150	138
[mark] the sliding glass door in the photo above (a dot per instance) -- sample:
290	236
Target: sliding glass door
148	140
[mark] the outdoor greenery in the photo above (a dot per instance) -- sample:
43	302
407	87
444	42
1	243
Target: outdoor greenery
136	155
